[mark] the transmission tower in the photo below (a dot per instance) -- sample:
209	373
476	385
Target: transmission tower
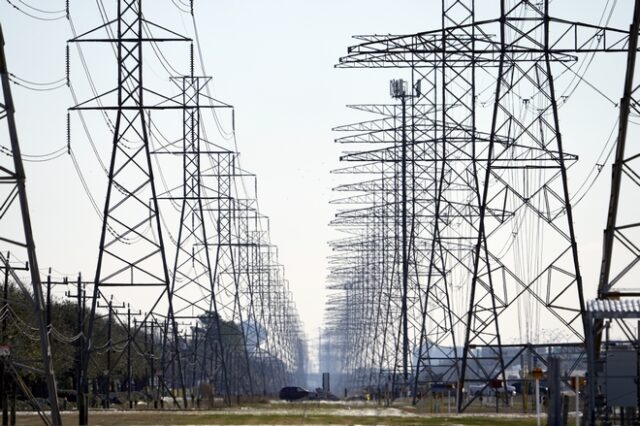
280	328
227	270
616	307
538	157
617	235
496	192
132	252
192	283
379	264
19	237
455	195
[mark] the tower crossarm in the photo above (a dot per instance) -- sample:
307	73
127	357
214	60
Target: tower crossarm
426	49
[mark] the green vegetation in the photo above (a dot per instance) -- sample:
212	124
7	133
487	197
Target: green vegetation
20	331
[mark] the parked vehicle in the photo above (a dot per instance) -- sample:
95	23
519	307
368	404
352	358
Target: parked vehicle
294	393
530	388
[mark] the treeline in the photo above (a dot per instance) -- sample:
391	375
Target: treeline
152	370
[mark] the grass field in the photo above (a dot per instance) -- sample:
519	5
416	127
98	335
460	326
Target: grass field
290	414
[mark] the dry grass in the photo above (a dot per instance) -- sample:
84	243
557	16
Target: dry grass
290	414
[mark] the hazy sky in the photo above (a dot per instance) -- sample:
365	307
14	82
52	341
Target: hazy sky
273	60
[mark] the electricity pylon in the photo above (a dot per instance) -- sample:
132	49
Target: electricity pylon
499	189
132	250
192	281
17	233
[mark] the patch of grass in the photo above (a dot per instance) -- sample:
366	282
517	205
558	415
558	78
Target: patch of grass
143	418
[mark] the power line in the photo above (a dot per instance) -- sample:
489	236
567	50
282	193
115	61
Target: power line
52	12
31	15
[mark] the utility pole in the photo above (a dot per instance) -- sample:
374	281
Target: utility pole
48	315
154	377
147	354
195	362
3	385
150	350
130	336
80	297
109	350
5	380
111	310
129	356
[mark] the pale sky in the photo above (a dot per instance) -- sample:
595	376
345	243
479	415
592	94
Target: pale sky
273	60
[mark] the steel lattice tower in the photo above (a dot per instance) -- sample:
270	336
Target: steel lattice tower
384	247
617	236
223	250
19	237
617	282
523	148
502	187
192	282
456	198
226	272
132	251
